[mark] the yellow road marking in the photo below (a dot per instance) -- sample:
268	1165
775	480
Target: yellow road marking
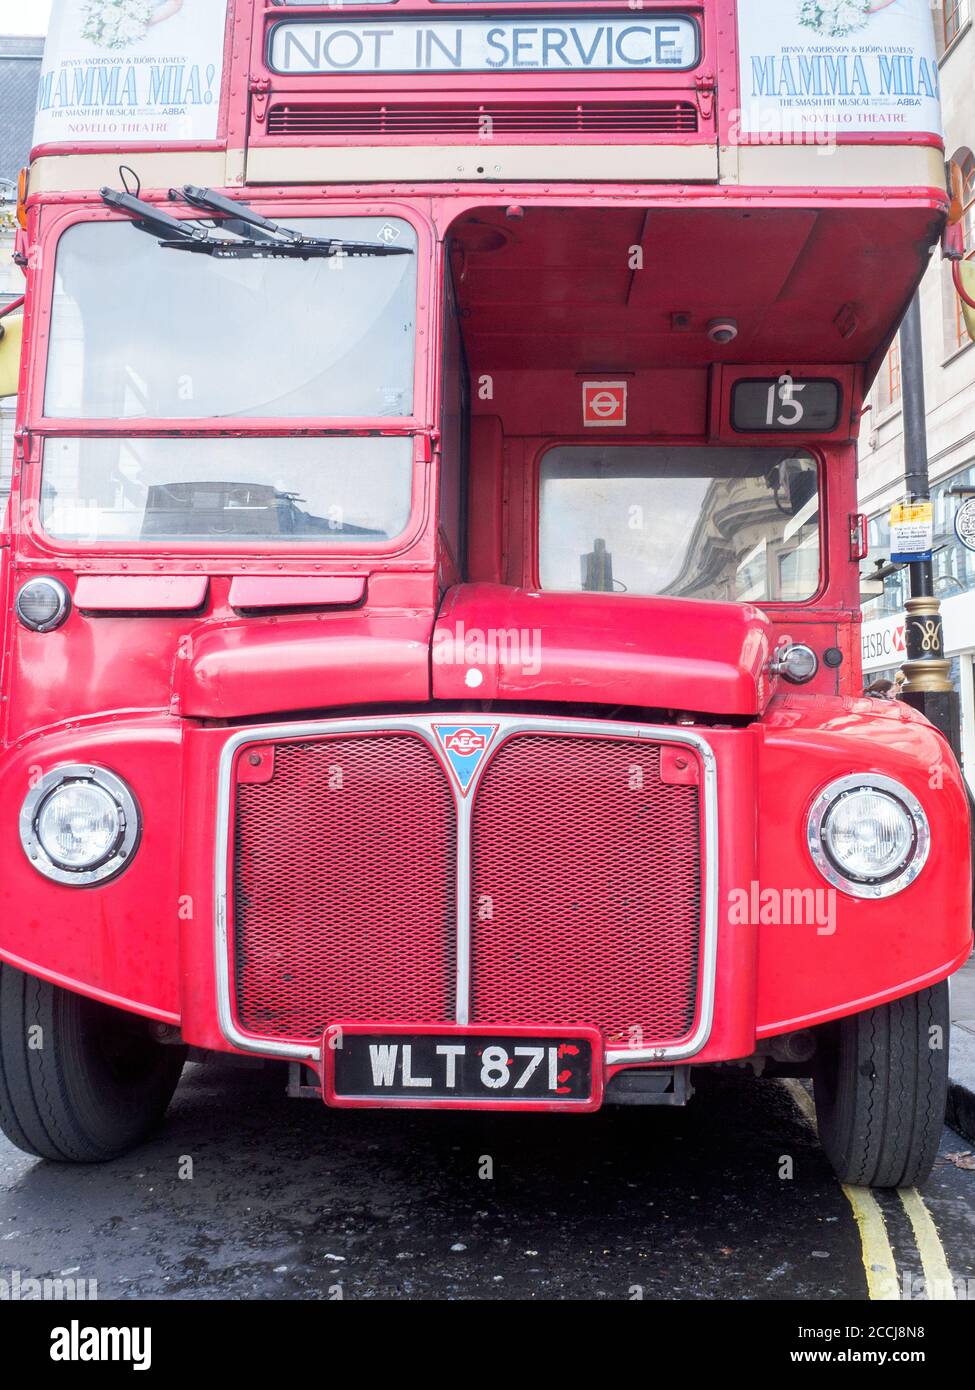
938	1284
878	1257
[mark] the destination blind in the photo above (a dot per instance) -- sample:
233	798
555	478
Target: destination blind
500	44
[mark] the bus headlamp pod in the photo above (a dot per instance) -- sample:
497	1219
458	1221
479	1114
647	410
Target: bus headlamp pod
79	825
868	835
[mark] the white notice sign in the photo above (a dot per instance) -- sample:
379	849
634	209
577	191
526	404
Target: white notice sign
120	71
844	66
556	43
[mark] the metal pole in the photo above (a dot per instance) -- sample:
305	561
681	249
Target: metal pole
928	687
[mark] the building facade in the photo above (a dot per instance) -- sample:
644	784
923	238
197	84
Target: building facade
949	372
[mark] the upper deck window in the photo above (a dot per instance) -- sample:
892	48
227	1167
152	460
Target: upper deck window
140	332
725	524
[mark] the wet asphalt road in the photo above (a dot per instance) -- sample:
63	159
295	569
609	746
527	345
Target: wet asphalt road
288	1200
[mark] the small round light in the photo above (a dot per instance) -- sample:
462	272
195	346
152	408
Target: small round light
796	663
723	330
868	835
80	825
42	604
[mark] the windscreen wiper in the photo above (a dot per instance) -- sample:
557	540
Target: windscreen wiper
290	242
152	219
266	248
180	234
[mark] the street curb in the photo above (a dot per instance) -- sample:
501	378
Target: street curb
960	1111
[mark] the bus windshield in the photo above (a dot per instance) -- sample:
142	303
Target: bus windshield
139	332
223	491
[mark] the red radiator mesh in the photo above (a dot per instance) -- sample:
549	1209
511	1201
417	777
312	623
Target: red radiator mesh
344	872
586	891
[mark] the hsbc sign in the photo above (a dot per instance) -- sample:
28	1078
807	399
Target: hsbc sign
883	643
603	403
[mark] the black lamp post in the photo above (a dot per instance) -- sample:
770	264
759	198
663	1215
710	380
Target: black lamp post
928	687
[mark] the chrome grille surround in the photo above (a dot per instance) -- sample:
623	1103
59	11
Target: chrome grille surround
423	726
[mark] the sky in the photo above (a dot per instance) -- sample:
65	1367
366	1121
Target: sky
24	16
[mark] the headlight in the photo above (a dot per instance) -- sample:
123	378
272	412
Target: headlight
79	825
868	835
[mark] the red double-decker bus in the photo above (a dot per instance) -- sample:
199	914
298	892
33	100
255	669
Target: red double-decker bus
431	580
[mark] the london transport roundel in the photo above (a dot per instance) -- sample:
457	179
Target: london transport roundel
603	403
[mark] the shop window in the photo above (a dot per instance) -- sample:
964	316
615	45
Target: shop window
956	335
954	17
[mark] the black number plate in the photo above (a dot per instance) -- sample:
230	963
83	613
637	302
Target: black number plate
497	1068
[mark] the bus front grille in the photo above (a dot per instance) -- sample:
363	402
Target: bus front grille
583	859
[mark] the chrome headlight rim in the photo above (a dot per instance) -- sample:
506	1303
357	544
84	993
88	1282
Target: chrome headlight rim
63	598
825	802
117	858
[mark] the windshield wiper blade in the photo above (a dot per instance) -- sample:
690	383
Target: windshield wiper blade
291	243
181	234
269	249
152	219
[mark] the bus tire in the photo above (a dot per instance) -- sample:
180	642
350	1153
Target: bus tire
881	1084
80	1082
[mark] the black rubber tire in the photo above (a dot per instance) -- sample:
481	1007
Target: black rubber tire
881	1085
96	1086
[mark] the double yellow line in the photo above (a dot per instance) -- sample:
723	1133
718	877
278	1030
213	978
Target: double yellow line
878	1258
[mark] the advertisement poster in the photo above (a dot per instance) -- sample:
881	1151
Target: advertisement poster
844	66
131	70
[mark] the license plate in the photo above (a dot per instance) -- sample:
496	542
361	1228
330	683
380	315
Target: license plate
503	1068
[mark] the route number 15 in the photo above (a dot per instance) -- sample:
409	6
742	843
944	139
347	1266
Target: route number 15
783	407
